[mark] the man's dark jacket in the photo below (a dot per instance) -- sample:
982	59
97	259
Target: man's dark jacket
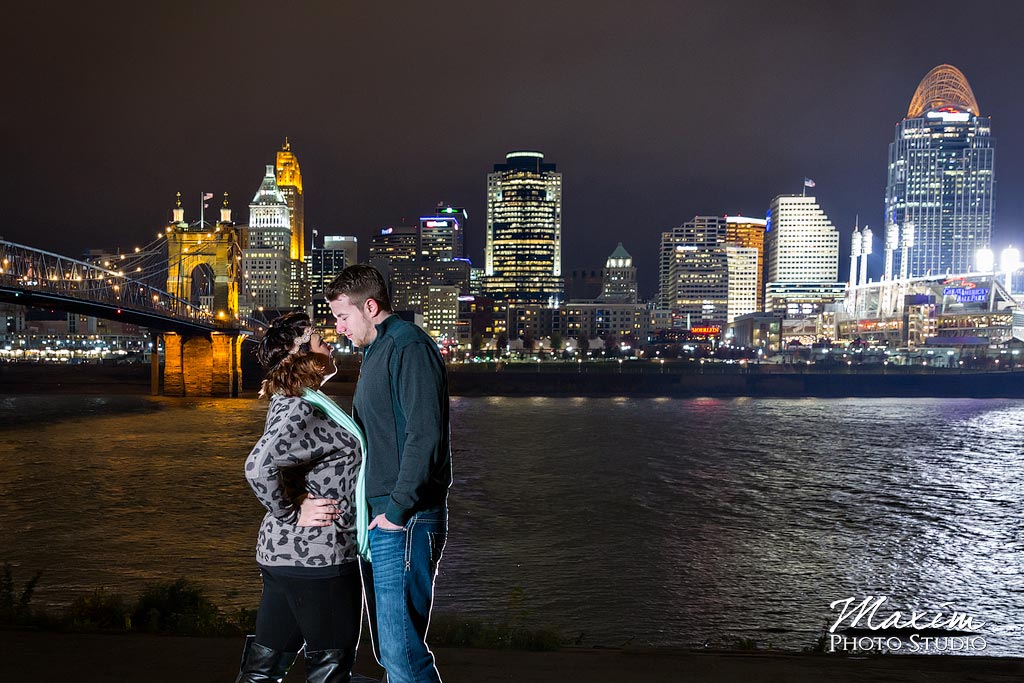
401	402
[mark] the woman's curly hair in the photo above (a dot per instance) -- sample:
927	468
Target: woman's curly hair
289	373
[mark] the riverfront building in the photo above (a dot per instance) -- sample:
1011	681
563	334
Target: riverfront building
747	232
696	271
801	258
973	309
619	278
523	249
743	267
941	185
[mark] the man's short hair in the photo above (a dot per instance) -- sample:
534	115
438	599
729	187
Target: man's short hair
359	283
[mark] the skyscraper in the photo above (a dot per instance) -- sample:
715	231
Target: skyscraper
266	262
396	244
801	257
347	243
289	181
523	250
619	282
744	273
749	233
801	243
697	279
391	247
441	237
941	187
324	265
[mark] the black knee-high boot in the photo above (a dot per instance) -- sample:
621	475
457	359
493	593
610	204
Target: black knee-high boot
329	666
262	665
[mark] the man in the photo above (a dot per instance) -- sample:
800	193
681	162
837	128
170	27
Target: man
401	402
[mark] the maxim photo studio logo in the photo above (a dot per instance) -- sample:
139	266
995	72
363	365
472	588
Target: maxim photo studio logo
869	626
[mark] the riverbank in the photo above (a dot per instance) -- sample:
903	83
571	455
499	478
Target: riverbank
98	658
729	381
598	379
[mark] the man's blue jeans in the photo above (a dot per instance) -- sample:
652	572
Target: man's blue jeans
404	566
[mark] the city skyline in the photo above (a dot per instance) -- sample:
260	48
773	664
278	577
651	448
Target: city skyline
648	130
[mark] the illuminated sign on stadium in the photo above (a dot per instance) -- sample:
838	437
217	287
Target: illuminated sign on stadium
967	295
706	330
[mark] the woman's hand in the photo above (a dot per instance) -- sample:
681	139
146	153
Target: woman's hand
317	511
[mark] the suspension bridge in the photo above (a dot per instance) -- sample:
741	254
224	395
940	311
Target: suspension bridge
196	314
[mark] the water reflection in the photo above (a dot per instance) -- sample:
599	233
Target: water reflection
651	521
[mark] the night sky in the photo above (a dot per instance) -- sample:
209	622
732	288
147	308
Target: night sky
653	111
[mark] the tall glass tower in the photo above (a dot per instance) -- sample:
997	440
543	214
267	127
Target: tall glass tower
523	252
941	187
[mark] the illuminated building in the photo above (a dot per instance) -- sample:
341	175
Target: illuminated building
324	265
266	261
410	280
696	285
441	313
956	310
619	281
481	316
749	233
743	266
442	235
523	250
941	186
801	258
346	243
392	246
289	182
801	244
396	244
758	330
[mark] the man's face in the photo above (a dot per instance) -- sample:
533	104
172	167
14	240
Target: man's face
353	321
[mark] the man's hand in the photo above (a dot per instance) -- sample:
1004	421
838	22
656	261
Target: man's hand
383	523
317	511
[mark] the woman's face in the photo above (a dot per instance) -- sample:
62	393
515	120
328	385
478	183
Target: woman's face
318	345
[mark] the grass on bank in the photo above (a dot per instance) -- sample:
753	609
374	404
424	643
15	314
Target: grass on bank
180	607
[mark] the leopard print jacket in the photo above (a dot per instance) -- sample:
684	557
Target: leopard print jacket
303	451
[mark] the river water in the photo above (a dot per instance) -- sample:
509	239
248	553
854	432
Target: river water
647	521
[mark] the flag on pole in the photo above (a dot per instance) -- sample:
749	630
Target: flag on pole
209	195
808	182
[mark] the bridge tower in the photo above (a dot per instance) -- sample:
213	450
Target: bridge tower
204	268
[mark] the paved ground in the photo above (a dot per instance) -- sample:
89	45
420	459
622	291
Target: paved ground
42	657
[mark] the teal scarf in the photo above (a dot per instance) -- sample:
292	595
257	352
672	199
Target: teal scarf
344	420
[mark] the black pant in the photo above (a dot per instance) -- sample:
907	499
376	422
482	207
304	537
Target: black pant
322	613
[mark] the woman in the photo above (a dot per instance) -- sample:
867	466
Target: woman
304	471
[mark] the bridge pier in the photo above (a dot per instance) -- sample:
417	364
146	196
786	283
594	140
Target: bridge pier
203	364
154	364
